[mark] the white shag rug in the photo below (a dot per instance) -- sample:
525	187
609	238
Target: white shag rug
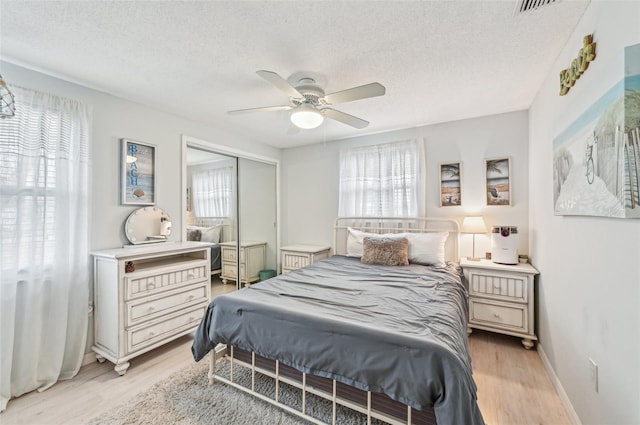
186	398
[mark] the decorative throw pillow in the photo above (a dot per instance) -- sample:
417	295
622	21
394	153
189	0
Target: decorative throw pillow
385	251
193	234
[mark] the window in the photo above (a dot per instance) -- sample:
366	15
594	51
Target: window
44	261
380	180
213	192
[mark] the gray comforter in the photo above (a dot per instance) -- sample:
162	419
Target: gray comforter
397	330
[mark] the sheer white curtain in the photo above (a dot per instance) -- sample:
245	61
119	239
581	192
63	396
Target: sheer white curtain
212	192
44	269
381	180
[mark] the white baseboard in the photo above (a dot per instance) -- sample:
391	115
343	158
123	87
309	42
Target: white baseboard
89	358
573	416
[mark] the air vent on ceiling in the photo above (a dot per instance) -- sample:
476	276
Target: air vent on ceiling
523	6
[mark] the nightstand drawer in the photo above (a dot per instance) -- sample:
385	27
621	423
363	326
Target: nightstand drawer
498	286
512	317
292	260
231	271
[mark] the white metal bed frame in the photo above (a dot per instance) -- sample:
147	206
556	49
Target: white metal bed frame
340	232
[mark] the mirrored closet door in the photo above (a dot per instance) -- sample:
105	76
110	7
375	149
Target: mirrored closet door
229	198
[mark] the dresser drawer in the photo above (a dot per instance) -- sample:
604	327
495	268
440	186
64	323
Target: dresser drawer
144	336
512	317
499	287
167	302
145	283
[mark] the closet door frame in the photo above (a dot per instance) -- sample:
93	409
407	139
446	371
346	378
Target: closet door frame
189	141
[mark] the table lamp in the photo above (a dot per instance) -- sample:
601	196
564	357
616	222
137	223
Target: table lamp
475	226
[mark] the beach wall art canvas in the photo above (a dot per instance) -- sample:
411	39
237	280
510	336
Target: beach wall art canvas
596	158
498	181
450	177
138	173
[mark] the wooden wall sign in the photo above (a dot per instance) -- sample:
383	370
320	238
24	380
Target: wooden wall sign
586	54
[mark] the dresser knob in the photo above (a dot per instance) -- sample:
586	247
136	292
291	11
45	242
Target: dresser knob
190	297
150	309
496	315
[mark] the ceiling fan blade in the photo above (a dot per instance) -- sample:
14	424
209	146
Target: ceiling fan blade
355	93
264	108
280	83
344	118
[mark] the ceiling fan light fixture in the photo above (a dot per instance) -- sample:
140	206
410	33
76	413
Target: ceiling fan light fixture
306	117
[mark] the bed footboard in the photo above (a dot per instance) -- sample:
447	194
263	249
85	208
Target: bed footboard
373	405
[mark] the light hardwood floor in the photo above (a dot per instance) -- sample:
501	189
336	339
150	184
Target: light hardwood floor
513	387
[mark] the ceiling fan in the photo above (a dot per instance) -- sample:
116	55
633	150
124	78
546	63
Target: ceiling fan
309	104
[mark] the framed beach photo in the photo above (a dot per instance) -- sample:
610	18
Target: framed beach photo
498	181
450	184
138	173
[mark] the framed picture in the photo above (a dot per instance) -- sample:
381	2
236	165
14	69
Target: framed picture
498	181
138	173
450	187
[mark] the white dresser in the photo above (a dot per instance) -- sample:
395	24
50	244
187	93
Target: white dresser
297	256
164	298
252	259
501	298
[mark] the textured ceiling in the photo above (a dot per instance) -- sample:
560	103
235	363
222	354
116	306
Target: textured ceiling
439	60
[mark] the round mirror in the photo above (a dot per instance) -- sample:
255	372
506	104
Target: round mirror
148	225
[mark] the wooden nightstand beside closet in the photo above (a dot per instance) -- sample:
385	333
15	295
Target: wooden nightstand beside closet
252	260
501	298
297	256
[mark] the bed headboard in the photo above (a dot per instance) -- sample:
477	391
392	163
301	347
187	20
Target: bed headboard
227	225
397	225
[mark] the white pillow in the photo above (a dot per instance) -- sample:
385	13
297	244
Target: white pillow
208	234
355	240
427	248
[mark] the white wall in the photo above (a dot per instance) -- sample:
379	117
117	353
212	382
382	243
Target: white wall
588	292
116	118
310	177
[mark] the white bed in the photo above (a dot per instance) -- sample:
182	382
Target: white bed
273	363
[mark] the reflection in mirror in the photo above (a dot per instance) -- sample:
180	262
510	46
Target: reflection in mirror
230	199
148	225
211	209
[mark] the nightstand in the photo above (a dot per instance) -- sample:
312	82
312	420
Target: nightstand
297	256
501	298
252	260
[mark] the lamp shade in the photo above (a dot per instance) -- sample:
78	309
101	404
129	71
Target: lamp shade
306	117
473	225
